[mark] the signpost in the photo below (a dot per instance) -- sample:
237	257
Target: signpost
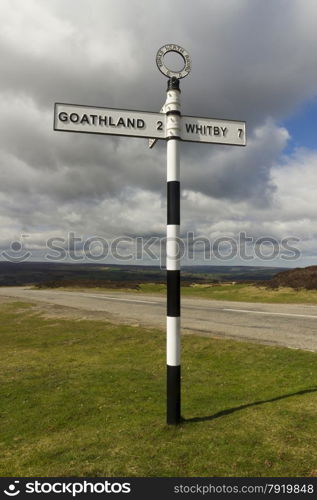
170	125
123	122
213	131
93	120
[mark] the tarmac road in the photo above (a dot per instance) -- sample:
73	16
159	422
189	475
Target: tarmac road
290	325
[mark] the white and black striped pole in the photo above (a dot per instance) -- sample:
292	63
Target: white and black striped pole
172	108
172	253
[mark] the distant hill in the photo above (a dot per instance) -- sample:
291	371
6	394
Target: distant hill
58	274
300	277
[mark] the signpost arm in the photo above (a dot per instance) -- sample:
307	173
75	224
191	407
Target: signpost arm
173	130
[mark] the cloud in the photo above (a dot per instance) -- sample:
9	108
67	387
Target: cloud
239	173
252	60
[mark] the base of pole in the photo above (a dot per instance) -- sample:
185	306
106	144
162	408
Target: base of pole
173	395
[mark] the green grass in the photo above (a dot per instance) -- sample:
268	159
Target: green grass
241	293
237	292
87	398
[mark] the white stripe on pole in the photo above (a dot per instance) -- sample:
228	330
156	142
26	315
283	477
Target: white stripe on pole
173	344
172	158
172	247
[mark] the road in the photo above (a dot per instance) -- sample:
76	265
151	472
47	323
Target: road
291	325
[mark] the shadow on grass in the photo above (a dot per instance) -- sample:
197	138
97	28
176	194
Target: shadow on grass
249	405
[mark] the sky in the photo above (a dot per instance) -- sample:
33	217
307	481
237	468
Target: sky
252	61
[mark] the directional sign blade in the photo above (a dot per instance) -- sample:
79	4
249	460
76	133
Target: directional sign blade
89	119
213	130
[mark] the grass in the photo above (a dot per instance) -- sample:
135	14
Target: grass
226	291
87	398
241	293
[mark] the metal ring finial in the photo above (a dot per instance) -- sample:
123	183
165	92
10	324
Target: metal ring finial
179	50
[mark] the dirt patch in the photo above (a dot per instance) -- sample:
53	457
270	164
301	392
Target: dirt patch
49	311
6	300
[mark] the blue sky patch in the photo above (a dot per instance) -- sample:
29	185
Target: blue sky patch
302	127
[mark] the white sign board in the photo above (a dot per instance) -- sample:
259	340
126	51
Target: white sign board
89	119
213	130
123	122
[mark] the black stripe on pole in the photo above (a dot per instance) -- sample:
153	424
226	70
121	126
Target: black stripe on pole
173	112
173	293
173	84
173	202
173	394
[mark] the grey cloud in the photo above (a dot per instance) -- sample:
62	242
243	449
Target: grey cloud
252	60
239	173
249	57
